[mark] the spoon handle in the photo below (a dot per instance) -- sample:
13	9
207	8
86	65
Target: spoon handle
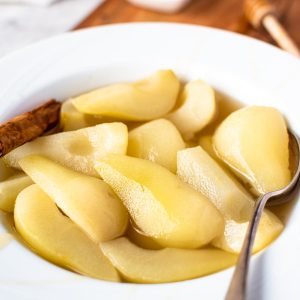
237	288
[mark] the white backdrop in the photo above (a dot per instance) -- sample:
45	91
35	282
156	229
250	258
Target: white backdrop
25	21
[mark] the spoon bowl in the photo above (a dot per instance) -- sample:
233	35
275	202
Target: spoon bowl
238	284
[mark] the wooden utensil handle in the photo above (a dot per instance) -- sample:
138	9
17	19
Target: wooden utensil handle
27	126
261	13
280	35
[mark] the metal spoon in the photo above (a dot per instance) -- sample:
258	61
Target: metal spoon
237	288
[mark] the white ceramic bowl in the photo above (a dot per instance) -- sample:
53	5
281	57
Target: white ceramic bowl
248	70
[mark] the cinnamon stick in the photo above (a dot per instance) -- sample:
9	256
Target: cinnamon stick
27	126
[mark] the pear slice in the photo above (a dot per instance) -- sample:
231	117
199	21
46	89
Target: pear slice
148	141
206	143
72	119
55	237
87	200
166	265
141	240
254	142
10	188
143	100
161	206
234	234
198	169
198	108
77	149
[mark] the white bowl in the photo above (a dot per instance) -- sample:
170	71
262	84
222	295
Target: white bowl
248	70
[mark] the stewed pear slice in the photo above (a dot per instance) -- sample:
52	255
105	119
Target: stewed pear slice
141	240
55	237
198	169
160	204
148	141
206	143
254	142
72	119
88	201
143	100
10	188
77	149
198	108
234	234
166	265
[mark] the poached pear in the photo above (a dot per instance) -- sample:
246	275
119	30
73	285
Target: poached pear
55	237
160	204
165	265
148	141
78	149
143	100
254	142
87	200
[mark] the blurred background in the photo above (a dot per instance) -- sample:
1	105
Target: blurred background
25	21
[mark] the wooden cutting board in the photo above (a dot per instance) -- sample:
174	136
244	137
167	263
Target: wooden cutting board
226	14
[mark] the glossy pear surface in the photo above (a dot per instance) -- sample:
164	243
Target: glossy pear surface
10	188
160	204
72	119
232	240
197	109
166	265
88	201
197	168
254	142
206	143
55	237
77	150
141	240
157	141
204	174
143	100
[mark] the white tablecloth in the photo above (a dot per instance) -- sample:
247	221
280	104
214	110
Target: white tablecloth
23	23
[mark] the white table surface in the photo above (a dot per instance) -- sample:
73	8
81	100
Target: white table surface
22	24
